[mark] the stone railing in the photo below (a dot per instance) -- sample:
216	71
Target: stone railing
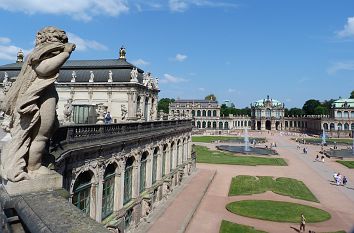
78	133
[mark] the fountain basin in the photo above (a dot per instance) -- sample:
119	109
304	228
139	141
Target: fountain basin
252	150
343	153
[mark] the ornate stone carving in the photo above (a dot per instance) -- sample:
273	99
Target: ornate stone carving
32	121
92	77
124	111
146	207
73	76
134	75
110	76
68	109
101	109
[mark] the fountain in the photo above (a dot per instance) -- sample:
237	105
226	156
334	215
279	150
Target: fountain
323	137
246	140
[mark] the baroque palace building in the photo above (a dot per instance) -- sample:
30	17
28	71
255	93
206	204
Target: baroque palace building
267	114
118	173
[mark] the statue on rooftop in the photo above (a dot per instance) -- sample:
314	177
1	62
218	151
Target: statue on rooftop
31	105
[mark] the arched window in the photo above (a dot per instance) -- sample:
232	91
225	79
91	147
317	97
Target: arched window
128	179
154	165
352	126
249	123
209	113
198	113
82	192
346	114
286	124
193	113
268	112
214	113
171	155
198	124
339	126
241	124
331	126
143	171
209	124
178	151
291	124
204	113
339	114
164	153
203	124
325	126
352	114
346	126
214	124
220	125
108	191
226	125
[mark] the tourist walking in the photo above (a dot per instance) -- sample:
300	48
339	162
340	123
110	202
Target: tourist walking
108	118
317	158
303	222
339	179
322	159
345	180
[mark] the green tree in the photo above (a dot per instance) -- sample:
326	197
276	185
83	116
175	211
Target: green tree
294	112
210	97
309	106
321	110
351	95
164	104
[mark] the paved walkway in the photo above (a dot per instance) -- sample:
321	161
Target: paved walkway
178	214
337	200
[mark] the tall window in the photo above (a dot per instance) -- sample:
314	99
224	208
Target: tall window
128	177
82	189
154	165
209	113
143	171
204	113
171	155
108	191
193	113
178	151
268	112
164	160
214	113
198	113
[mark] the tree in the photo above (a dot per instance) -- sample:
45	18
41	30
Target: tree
294	112
210	97
321	110
309	106
351	95
164	104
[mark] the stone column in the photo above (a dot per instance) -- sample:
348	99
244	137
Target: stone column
118	191
121	186
93	200
131	105
149	170
99	195
148	109
136	179
168	159
159	164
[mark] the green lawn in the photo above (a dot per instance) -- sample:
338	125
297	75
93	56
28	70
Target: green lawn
277	211
209	139
204	155
330	140
348	164
230	227
246	185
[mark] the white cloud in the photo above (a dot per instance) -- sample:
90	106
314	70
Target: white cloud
180	57
183	5
348	30
83	44
230	90
4	40
167	78
9	52
340	66
201	89
140	62
78	9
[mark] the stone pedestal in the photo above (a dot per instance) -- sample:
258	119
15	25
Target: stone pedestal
41	183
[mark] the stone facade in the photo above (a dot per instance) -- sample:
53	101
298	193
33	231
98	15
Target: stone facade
127	92
120	183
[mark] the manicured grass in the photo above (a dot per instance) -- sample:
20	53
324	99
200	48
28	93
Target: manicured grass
348	164
246	185
277	211
329	140
230	227
204	155
209	139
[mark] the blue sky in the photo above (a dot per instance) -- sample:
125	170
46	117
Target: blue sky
238	50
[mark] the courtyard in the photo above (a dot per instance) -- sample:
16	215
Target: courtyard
337	201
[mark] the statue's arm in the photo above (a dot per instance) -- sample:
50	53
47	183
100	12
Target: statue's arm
51	65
